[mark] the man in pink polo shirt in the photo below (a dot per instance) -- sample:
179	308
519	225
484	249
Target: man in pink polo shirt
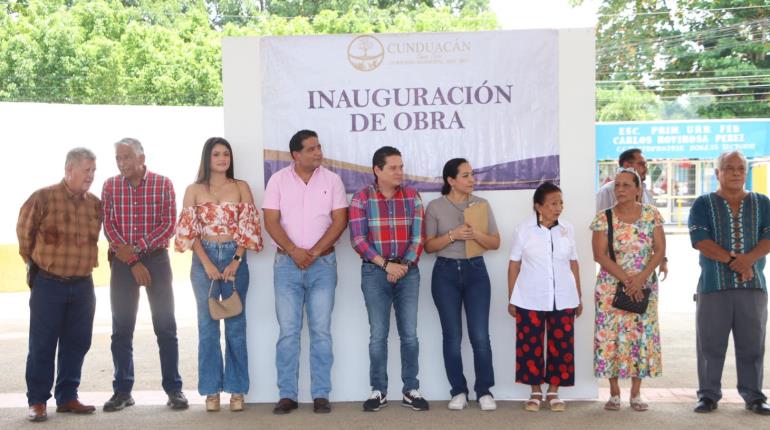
305	213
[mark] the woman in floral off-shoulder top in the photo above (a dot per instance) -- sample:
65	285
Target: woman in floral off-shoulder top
219	223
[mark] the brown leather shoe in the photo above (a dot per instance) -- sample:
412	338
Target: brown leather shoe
284	406
321	406
37	413
75	407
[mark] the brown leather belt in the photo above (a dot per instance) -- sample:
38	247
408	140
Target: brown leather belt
63	279
326	252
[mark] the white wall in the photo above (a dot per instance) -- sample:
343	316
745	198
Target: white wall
38	137
243	125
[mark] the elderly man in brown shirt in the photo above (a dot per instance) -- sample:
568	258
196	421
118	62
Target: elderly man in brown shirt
58	229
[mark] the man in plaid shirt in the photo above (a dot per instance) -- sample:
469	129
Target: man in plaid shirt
386	230
139	211
58	229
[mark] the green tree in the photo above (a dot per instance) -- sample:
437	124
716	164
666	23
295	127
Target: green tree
168	52
626	104
714	52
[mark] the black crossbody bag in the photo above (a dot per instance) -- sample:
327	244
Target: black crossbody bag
622	300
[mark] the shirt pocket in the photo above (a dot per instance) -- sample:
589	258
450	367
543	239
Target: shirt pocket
562	248
49	227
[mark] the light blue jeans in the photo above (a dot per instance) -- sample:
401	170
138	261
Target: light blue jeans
381	296
313	290
213	376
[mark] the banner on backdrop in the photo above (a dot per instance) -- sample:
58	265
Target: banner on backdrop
489	97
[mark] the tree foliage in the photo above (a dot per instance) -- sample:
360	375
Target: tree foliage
699	58
625	104
168	52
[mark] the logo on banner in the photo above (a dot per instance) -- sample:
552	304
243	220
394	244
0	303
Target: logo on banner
366	53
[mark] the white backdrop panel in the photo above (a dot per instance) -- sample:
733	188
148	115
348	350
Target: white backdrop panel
246	129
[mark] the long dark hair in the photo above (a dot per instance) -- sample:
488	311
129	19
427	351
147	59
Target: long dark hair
543	190
451	169
204	171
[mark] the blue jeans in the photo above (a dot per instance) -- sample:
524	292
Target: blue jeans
213	377
312	289
458	283
124	298
380	295
59	315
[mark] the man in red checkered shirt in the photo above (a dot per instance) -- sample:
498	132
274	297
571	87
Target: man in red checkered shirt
139	210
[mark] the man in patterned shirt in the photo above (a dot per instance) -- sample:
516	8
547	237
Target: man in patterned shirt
387	231
731	229
139	210
58	228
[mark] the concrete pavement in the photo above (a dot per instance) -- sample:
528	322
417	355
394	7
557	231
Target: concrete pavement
671	395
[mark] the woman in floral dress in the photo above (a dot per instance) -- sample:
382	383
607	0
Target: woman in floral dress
627	344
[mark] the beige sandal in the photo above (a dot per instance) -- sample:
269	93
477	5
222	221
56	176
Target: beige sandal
236	402
613	404
638	404
555	403
533	403
212	402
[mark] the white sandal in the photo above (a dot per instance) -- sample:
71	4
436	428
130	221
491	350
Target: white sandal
533	403
638	404
613	404
555	403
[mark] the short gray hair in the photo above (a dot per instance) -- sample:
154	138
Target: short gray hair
77	155
722	159
132	143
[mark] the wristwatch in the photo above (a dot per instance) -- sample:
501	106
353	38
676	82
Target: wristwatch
137	249
237	257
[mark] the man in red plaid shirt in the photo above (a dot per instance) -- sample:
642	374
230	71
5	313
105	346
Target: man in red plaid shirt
387	231
139	210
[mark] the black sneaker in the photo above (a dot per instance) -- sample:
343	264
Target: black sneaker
177	400
413	399
118	401
375	402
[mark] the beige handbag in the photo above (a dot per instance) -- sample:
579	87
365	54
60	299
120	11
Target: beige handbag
227	308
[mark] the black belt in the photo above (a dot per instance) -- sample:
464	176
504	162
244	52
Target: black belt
63	279
151	253
395	261
400	261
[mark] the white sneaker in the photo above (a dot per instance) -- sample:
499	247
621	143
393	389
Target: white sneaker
487	403
458	402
